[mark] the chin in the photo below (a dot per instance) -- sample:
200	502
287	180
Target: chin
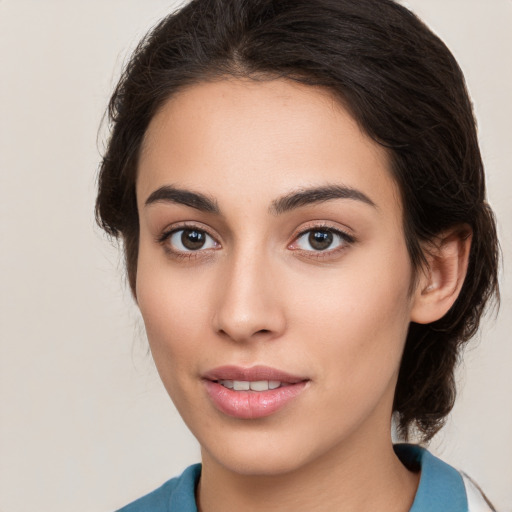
261	452
258	462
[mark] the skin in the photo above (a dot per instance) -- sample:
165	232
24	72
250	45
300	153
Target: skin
259	294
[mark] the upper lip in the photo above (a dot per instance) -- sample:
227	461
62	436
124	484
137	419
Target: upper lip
255	373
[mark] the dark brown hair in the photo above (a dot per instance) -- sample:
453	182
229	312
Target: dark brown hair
401	84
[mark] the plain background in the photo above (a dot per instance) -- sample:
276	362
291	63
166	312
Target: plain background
85	424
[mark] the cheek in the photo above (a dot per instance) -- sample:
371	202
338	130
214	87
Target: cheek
173	311
359	318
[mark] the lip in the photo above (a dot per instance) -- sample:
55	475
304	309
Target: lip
253	373
252	404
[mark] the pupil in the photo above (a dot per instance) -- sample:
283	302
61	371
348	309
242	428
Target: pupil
320	240
193	239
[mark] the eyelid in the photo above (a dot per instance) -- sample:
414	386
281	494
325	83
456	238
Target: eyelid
320	225
166	234
177	226
347	239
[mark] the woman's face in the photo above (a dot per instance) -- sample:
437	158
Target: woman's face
272	257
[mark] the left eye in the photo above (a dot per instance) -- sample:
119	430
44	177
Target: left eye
321	240
190	239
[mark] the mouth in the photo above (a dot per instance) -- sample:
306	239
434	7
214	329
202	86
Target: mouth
250	393
255	385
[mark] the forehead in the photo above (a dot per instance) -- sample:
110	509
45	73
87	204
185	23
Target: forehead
261	139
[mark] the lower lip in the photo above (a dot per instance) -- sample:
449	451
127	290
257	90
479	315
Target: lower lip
252	404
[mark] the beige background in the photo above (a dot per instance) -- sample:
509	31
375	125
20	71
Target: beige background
84	423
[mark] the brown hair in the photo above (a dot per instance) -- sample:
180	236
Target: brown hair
407	92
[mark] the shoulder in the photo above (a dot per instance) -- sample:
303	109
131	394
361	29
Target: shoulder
175	495
441	486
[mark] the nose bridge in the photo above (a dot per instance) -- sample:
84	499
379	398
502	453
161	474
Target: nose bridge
248	304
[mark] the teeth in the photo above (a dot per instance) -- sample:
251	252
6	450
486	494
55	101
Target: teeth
256	385
259	385
241	385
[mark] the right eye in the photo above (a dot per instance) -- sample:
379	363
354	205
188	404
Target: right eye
190	240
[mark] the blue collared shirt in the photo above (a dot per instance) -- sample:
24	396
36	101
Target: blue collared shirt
441	487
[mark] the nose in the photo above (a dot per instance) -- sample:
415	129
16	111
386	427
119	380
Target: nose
248	306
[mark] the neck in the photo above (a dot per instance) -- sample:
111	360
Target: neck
361	475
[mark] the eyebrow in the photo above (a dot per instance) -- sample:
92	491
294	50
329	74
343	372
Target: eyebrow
291	201
310	196
170	194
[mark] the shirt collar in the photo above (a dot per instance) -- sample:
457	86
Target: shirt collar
183	497
441	487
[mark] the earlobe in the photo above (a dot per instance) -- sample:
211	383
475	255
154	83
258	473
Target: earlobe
441	280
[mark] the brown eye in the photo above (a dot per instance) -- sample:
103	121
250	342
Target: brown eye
191	239
320	240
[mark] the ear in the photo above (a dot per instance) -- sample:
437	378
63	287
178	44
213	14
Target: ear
441	280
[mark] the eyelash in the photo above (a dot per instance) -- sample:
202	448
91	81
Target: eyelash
166	236
344	239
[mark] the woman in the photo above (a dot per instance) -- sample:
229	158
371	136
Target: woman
301	198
